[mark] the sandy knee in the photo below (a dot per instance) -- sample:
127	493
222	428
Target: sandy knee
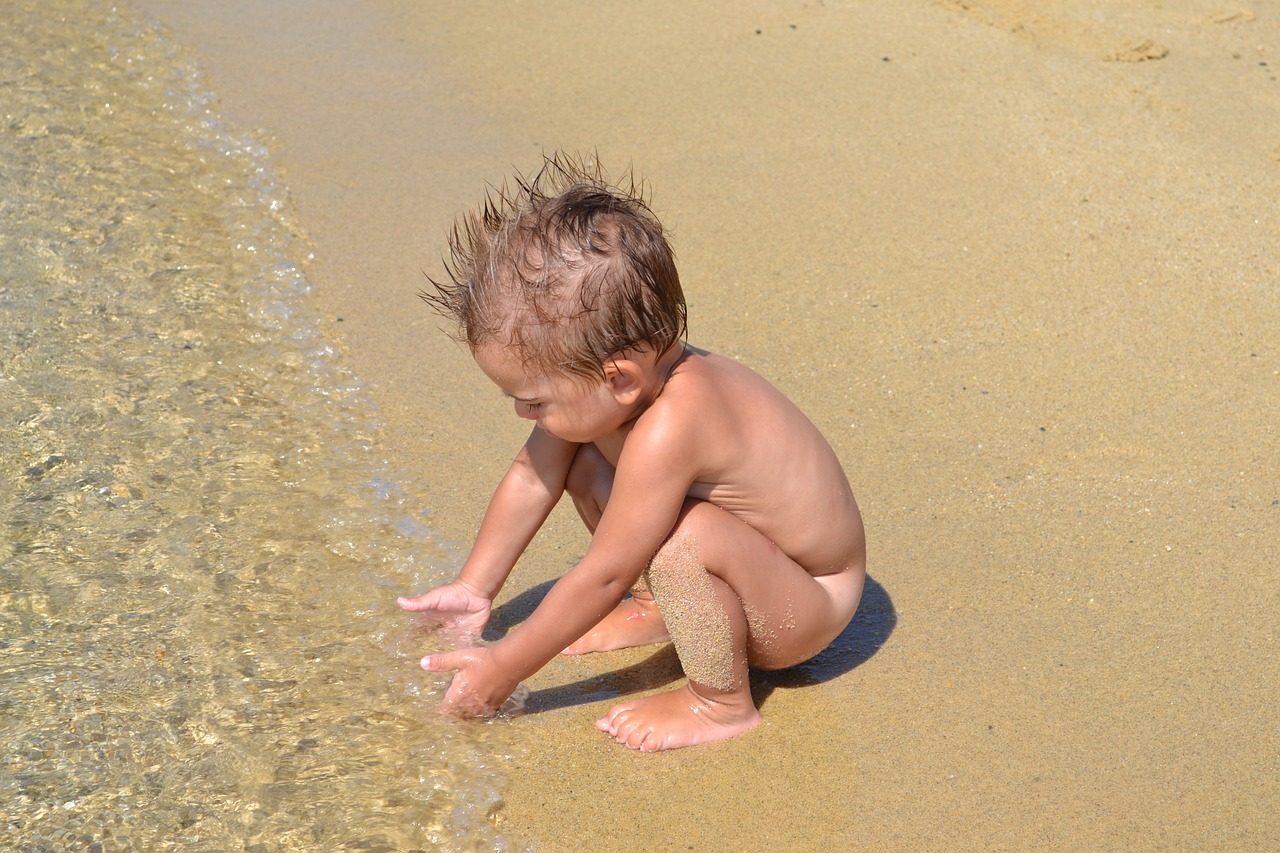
696	619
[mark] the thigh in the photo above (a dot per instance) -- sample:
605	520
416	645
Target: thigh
791	615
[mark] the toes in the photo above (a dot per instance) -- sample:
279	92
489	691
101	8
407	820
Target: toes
633	734
632	739
622	725
644	740
610	722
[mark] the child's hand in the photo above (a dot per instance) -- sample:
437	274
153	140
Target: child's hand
458	609
478	689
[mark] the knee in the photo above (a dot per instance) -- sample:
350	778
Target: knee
681	552
675	567
677	547
695	522
589	482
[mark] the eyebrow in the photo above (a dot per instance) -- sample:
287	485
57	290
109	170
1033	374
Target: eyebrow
511	396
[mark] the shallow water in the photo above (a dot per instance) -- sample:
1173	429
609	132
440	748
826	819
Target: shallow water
200	549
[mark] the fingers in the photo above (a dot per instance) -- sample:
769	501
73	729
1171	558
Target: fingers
445	661
462	700
416	605
458	700
462	704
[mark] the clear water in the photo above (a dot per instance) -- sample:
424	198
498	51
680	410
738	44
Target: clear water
199	550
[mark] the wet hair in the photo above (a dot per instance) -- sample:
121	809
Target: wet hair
565	268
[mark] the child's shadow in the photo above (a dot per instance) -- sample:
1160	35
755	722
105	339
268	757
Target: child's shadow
863	637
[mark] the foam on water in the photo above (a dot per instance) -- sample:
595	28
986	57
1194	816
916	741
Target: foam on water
199	550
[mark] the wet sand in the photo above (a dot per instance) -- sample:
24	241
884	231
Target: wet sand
1020	264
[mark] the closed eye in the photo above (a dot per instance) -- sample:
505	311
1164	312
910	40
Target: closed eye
530	405
523	401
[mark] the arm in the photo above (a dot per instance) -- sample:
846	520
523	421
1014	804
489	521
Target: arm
520	505
653	478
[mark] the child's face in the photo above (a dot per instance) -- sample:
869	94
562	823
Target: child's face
568	409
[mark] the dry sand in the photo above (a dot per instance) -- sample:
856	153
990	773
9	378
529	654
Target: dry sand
1019	260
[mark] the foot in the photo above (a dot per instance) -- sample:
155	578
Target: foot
634	622
679	718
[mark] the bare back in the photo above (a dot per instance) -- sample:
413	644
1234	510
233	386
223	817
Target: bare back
761	459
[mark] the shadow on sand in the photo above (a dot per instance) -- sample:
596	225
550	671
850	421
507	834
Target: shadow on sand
858	642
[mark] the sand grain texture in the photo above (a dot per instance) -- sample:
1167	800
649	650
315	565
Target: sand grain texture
1032	297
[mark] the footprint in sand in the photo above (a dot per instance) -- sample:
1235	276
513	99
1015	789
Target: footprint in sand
1138	51
1241	17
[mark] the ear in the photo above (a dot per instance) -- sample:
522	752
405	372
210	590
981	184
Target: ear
625	379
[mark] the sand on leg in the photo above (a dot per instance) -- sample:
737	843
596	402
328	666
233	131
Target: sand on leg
730	598
636	620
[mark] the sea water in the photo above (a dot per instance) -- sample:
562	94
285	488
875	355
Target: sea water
199	549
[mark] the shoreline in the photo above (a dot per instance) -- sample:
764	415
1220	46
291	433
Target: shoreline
1029	294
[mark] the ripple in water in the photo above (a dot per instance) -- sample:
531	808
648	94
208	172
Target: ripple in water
199	551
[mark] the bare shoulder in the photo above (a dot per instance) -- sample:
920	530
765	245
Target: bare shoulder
707	385
693	392
709	365
720	408
751	451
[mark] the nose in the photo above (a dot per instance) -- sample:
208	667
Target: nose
524	410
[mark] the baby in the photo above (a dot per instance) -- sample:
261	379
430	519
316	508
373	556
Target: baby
710	497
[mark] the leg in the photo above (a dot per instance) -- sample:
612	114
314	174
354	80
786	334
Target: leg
730	597
636	620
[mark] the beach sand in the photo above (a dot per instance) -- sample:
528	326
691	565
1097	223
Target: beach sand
1019	261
